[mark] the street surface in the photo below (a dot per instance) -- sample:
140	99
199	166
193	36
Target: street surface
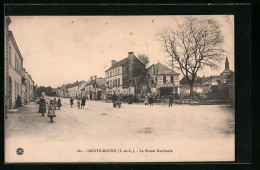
193	133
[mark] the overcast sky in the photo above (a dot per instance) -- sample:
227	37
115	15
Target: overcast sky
62	49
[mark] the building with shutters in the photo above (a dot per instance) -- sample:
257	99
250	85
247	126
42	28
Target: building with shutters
160	80
125	76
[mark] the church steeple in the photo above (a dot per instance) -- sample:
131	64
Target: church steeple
226	64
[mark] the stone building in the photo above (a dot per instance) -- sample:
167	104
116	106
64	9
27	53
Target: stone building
61	91
17	80
15	66
74	90
24	87
125	76
6	66
95	89
160	80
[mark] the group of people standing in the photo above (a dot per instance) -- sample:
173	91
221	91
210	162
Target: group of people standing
148	100
80	102
54	104
51	107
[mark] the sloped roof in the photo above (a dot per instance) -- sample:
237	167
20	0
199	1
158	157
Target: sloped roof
162	69
119	63
101	82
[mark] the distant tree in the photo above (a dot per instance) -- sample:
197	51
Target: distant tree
47	90
219	92
194	44
144	59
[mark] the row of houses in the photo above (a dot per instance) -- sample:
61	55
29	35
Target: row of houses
127	77
93	89
18	82
130	77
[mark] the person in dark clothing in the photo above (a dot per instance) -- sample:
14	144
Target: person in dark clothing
42	107
131	99
151	100
59	103
114	99
83	102
170	101
18	101
71	102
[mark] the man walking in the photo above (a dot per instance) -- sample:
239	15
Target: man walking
170	100
83	102
114	99
71	102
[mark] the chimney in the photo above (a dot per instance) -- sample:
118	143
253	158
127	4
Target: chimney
130	54
91	78
113	62
95	77
131	64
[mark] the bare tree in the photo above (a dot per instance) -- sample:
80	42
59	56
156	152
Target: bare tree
194	44
144	59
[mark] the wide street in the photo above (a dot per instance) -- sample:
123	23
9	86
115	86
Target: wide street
193	133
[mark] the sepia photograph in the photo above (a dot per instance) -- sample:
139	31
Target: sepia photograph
130	88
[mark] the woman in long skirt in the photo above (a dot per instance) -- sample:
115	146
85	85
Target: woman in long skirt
42	107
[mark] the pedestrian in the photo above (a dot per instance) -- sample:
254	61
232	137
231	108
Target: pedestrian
18	101
55	103
146	100
42	107
78	102
83	102
170	100
59	103
150	100
51	111
71	102
114	99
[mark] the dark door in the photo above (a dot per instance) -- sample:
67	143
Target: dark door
165	91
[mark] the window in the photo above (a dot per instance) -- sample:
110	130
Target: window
110	73
152	82
164	79
171	79
155	79
118	82
118	71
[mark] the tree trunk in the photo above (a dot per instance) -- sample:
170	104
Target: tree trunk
191	90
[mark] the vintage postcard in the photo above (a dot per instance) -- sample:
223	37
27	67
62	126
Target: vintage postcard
148	88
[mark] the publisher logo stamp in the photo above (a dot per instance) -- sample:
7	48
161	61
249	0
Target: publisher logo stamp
19	151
